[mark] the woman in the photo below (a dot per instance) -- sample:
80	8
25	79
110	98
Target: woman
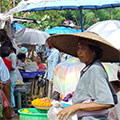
7	87
93	95
13	74
13	77
52	60
40	65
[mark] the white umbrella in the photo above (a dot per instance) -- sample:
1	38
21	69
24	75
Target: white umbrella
111	69
112	36
109	30
30	36
104	26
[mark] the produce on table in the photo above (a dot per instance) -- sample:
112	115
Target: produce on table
19	82
42	102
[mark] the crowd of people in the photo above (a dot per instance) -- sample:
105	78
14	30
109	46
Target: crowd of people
11	64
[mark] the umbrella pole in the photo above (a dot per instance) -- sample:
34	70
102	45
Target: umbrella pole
81	19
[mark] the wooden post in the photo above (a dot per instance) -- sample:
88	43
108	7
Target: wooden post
49	88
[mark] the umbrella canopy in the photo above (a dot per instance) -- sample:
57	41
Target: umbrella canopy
109	30
62	29
30	36
71	4
111	69
66	76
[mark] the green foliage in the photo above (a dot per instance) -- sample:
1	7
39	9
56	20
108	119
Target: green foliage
49	19
6	5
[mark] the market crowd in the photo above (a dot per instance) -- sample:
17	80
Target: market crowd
12	61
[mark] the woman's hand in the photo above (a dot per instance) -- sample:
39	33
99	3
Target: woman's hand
66	112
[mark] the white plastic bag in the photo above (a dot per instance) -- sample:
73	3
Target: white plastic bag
114	113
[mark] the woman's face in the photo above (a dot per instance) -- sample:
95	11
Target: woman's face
85	54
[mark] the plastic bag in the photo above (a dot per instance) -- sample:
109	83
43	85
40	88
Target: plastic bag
52	114
114	112
5	100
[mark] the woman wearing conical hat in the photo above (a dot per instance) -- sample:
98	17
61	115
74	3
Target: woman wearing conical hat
93	95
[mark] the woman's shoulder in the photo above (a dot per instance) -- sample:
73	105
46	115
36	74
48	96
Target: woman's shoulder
97	65
12	55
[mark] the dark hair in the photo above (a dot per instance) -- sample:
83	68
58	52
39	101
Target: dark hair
9	44
21	56
5	51
118	74
116	83
98	51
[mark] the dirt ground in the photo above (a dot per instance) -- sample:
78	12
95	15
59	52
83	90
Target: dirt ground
15	118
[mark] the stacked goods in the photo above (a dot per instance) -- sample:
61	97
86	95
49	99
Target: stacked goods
31	66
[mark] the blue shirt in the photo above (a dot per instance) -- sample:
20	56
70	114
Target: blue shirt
52	61
4	73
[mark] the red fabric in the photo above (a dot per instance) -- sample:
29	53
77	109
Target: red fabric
41	66
49	44
8	63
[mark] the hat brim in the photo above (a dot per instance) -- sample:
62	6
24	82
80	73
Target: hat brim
68	43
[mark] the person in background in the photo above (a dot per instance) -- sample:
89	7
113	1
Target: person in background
5	84
7	87
52	61
40	65
38	52
13	74
31	54
64	57
4	54
21	60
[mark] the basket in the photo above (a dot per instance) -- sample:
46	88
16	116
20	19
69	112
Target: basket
28	74
35	115
31	74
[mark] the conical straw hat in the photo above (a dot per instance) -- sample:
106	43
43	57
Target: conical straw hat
68	43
